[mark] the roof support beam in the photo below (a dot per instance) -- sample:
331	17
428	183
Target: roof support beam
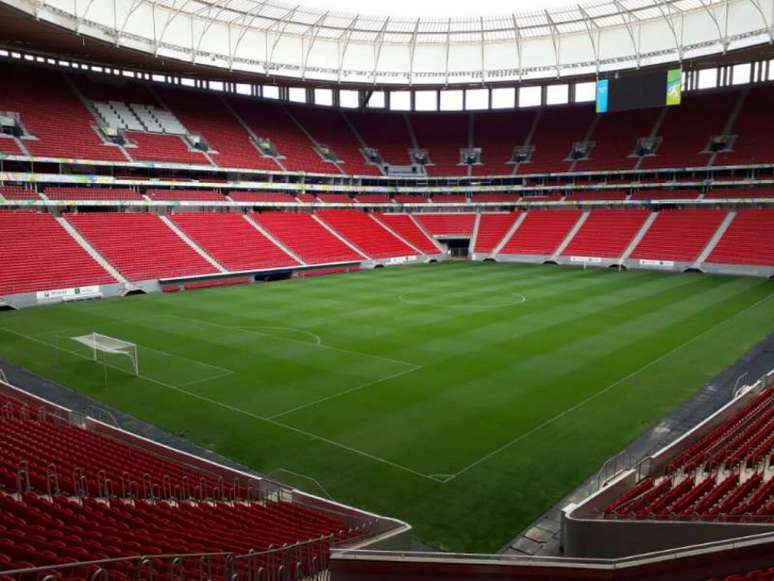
628	17
555	41
315	29
347	36
412	51
379	42
666	9
592	28
517	40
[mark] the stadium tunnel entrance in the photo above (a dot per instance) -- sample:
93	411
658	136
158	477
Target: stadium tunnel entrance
457	247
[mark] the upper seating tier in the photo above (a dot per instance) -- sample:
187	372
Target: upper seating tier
185	195
163	148
91	194
59	124
207	116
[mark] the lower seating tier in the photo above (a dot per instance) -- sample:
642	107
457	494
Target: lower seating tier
306	237
541	232
749	240
36	532
606	233
678	235
726	474
491	230
233	241
448	225
140	246
366	234
39	254
405	227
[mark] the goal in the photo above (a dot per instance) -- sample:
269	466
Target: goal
102	346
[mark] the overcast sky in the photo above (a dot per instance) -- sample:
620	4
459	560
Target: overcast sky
435	8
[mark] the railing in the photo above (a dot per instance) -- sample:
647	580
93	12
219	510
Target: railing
242	487
307	561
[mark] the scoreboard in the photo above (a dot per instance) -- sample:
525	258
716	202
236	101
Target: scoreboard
639	91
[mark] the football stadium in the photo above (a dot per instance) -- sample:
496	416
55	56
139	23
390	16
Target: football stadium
340	291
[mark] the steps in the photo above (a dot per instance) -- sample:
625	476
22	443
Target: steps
340	237
474	235
72	231
172	226
571	234
509	234
268	235
715	239
638	237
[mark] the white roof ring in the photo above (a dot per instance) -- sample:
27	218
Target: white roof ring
293	41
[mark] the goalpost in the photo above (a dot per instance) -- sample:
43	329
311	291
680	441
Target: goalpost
106	345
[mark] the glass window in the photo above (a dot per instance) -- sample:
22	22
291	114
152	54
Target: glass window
529	96
585	92
741	74
557	94
451	100
376	100
297	94
504	98
476	99
323	97
348	98
426	100
400	101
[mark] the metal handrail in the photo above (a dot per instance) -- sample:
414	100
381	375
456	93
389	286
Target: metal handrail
175	558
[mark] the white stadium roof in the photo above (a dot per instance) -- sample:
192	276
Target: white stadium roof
316	43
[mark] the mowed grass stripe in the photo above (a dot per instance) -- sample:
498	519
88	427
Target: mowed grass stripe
488	377
427	394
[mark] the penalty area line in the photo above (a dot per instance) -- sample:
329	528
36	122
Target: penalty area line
226	373
345	392
248	414
289	339
603	391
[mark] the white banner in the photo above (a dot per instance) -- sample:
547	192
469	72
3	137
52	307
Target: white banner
82	292
400	259
592	259
664	263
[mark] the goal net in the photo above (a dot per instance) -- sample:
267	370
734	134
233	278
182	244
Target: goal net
111	351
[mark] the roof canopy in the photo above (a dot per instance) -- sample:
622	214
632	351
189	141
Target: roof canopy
274	38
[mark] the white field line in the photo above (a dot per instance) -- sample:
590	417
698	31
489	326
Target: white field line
321	345
248	414
225	371
594	396
345	392
62	335
317	339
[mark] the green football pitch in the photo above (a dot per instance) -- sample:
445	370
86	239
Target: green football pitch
464	398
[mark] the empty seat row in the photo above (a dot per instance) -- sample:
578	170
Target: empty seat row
725	474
